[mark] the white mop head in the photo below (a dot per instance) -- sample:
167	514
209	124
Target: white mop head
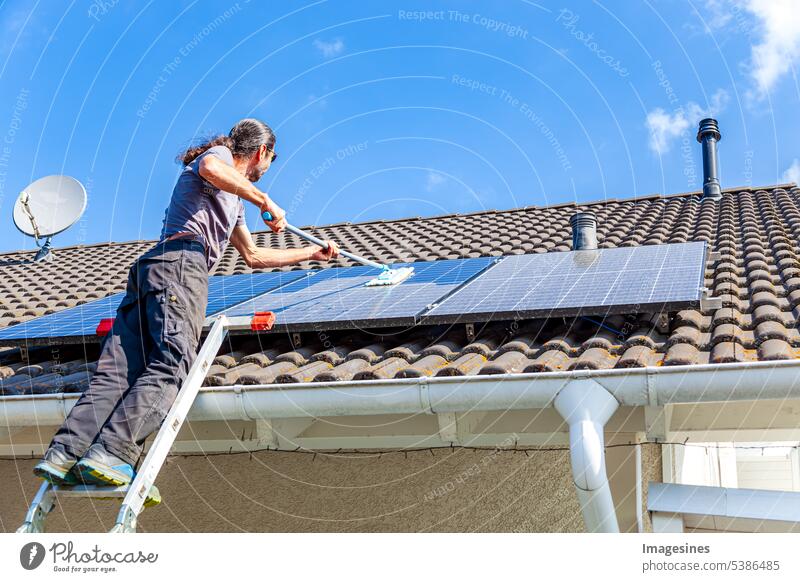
391	277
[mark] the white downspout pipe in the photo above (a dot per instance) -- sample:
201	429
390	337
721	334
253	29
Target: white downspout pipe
586	407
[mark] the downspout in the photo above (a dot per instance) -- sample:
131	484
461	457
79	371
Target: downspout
586	407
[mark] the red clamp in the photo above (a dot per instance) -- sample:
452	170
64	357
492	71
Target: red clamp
104	326
262	321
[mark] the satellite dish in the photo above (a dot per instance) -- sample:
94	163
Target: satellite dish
48	206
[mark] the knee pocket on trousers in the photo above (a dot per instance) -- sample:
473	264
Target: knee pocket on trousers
176	310
161	407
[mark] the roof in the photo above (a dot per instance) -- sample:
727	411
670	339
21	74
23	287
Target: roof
754	270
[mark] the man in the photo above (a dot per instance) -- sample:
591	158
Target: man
153	341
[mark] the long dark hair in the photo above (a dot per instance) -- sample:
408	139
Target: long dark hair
243	139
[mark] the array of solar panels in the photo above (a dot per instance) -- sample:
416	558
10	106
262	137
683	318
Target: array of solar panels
338	298
633	279
641	279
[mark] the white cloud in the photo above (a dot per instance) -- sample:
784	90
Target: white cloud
793	173
329	49
771	27
773	55
19	26
433	180
665	127
720	14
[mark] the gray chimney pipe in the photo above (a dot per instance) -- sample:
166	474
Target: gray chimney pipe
584	231
708	134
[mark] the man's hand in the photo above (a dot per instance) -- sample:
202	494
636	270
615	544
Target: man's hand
264	258
278	222
326	254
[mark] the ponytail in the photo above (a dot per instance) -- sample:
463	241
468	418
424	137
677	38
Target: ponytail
190	154
244	138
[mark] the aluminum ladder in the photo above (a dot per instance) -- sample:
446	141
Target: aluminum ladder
135	494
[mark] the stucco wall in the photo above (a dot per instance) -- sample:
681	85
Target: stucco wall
458	490
652	470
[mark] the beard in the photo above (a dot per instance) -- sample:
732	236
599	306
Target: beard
255	174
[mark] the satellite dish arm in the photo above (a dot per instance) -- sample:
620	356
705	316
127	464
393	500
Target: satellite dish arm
23	200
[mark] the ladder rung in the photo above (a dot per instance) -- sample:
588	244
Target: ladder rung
100	491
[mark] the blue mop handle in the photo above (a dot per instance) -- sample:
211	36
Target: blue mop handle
267	216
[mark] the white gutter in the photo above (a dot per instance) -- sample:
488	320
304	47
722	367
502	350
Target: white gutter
630	387
653	386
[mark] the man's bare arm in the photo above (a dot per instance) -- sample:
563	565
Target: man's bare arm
226	178
262	258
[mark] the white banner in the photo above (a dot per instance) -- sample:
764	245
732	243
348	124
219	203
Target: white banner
404	557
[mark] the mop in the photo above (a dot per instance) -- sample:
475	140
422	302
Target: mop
388	276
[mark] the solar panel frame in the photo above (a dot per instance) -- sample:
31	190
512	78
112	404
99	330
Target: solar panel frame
488	297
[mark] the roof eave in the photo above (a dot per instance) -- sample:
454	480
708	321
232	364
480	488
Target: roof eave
650	386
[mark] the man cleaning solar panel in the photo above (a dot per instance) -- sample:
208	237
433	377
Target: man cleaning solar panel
156	331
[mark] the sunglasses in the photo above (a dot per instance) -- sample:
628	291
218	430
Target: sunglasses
274	155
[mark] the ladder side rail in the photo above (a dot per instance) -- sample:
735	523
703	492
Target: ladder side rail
39	509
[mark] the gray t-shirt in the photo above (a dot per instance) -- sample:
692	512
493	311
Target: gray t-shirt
199	207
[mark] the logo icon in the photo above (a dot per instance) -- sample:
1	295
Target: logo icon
31	555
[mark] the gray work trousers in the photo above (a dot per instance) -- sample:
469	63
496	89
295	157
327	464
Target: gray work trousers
146	355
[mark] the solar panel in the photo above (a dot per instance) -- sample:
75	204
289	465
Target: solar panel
224	291
338	299
75	321
620	280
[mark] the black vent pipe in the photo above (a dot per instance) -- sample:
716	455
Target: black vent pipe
708	134
584	231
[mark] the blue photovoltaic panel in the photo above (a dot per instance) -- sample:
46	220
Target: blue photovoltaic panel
81	320
78	320
227	290
338	298
629	279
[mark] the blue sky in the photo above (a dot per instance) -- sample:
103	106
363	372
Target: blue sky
393	109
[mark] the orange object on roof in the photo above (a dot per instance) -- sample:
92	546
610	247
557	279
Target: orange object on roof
262	321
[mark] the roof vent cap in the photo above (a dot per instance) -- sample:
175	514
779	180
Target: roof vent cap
584	231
